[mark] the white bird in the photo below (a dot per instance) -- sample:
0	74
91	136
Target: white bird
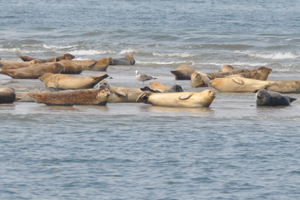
142	77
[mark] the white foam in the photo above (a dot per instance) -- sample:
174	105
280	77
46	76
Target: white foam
58	47
126	51
275	56
182	55
91	52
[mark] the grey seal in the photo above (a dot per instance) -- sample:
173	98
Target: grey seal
266	98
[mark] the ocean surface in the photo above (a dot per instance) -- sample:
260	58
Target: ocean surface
231	150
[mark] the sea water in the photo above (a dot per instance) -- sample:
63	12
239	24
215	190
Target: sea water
231	150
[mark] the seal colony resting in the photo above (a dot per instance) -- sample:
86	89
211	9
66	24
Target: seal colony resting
73	97
179	99
267	98
70	82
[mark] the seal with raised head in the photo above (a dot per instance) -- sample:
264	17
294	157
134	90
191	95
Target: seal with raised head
17	65
66	56
179	99
199	79
226	68
237	84
33	71
127	60
121	95
268	98
183	72
73	97
7	95
70	82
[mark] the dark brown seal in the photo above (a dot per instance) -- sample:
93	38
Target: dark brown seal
183	72
73	97
7	95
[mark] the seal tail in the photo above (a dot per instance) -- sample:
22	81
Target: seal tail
24	58
143	97
146	88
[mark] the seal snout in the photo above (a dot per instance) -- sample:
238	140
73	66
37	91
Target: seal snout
212	93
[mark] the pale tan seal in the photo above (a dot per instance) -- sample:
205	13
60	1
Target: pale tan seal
157	86
7	95
236	84
33	71
70	82
70	67
94	65
226	68
17	65
268	98
127	60
73	97
179	99
183	72
261	73
199	79
121	95
66	56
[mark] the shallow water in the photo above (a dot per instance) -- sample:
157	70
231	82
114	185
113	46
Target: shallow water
231	150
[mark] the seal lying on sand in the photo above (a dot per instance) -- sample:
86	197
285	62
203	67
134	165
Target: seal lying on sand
261	73
7	95
267	98
127	60
33	71
179	99
94	65
73	97
70	82
17	65
66	56
158	87
183	72
71	67
236	84
121	95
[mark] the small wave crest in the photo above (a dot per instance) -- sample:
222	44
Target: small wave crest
58	47
182	55
275	56
91	52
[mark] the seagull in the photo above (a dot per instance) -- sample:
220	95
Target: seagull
142	77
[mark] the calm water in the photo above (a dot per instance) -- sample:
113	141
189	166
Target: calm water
232	150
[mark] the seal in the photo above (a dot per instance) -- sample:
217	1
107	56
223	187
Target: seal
183	72
226	68
267	98
199	79
73	97
7	95
94	65
33	71
127	60
157	86
70	67
17	65
237	84
70	82
179	99
121	95
66	56
261	73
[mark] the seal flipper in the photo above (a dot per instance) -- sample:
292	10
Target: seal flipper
238	81
185	96
120	92
146	88
143	97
